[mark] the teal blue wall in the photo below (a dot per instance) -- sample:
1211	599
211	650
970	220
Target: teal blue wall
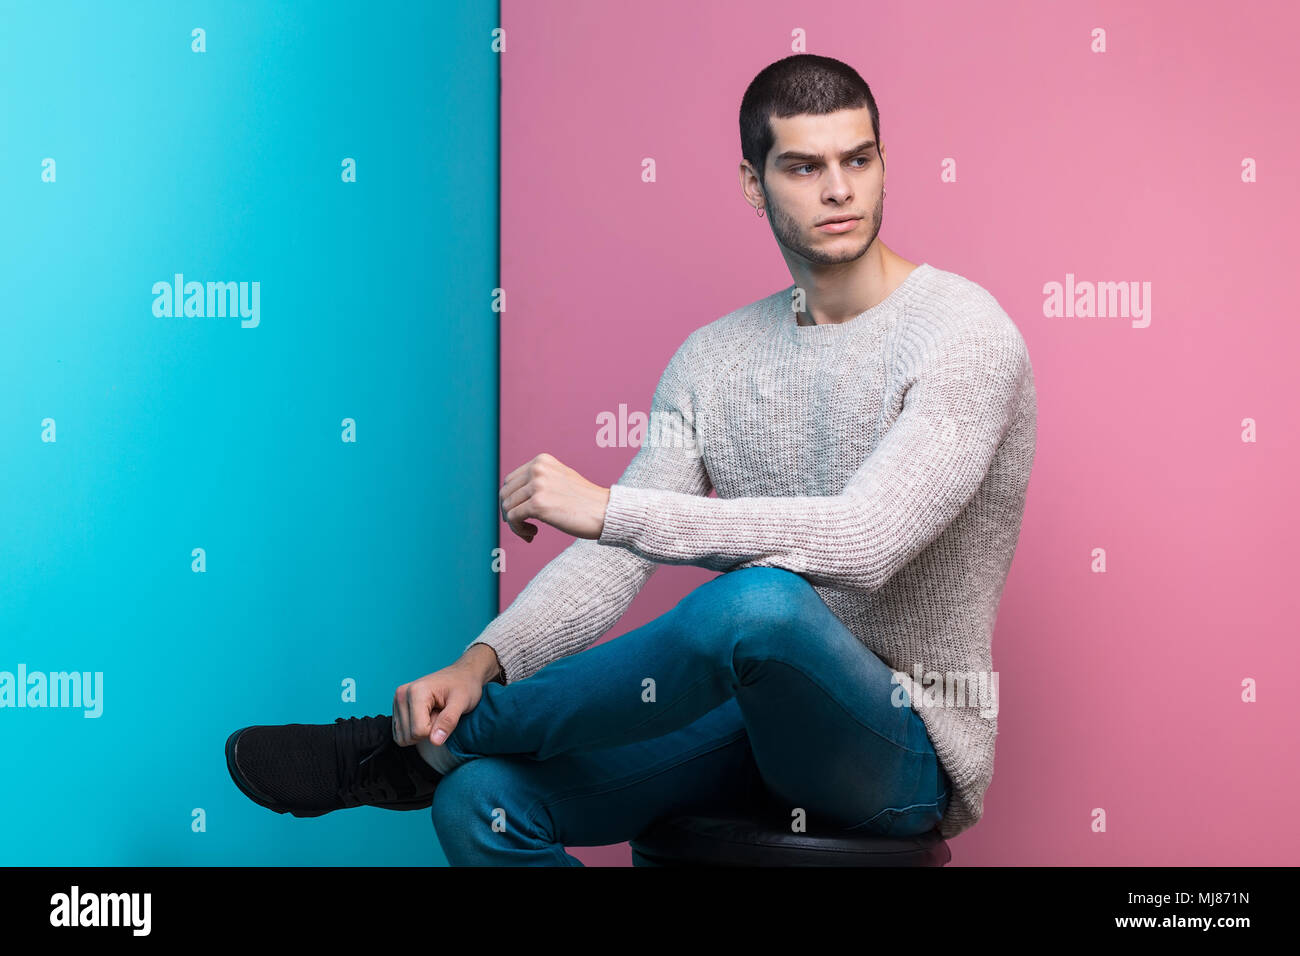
325	560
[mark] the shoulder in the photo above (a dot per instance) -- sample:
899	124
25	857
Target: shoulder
950	313
724	337
741	323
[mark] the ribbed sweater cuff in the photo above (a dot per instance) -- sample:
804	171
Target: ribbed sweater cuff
625	516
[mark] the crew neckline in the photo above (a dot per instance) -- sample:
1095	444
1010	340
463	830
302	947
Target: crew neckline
834	333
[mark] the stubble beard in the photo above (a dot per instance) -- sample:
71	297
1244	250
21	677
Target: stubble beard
789	233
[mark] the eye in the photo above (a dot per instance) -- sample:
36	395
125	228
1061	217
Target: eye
804	166
866	161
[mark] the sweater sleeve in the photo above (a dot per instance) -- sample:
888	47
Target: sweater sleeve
958	406
585	589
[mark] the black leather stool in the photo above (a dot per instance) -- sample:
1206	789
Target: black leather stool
723	838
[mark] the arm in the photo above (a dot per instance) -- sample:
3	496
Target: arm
925	469
585	589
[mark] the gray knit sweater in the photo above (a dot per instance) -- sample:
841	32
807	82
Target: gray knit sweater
885	459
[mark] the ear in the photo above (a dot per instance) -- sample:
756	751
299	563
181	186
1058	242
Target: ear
748	176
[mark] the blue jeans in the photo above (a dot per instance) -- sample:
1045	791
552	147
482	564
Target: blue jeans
749	694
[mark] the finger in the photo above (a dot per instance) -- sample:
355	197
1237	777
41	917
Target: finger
515	518
448	719
518	476
408	715
526	473
518	495
531	464
516	480
518	506
422	713
410	710
508	489
513	500
399	712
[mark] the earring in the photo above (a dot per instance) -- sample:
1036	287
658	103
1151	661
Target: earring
759	210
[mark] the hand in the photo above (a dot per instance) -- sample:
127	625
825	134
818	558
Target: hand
550	491
432	706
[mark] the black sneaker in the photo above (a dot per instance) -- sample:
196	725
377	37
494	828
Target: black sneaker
312	769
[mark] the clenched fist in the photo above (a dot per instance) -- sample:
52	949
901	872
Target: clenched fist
431	707
550	491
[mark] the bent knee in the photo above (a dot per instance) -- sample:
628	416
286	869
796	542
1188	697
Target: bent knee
475	794
763	599
475	813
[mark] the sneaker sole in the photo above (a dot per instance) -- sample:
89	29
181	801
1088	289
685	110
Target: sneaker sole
232	750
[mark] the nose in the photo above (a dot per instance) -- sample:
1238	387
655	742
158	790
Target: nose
838	186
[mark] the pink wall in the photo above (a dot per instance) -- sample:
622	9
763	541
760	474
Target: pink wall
1119	690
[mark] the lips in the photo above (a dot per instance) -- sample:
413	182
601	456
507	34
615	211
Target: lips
839	225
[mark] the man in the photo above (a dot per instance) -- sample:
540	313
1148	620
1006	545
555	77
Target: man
869	431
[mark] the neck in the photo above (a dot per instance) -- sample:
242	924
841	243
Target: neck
835	294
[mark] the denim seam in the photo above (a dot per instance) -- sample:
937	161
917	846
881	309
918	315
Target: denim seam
913	806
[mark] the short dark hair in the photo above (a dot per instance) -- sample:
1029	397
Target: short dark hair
801	83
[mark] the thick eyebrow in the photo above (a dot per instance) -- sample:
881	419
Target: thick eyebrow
818	157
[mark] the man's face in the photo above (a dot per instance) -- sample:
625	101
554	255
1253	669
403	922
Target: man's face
821	168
